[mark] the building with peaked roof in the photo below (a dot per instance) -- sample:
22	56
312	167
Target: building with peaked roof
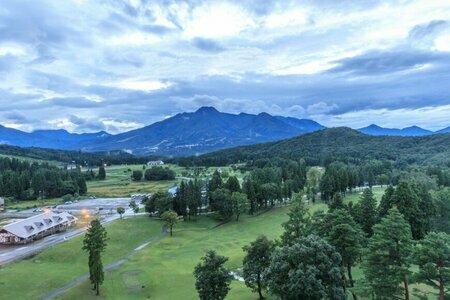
155	163
36	227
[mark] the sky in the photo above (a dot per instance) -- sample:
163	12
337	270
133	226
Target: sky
86	65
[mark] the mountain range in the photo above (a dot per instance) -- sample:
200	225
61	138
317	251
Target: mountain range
202	131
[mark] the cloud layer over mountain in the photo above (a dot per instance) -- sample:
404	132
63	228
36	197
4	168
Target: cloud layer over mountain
118	65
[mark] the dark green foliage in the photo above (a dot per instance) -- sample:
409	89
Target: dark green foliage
256	262
337	144
441	201
299	224
336	202
432	255
233	184
344	234
188	198
159	202
222	204
386	202
134	206
389	256
309	269
95	243
101	173
159	173
365	212
26	180
215	182
120	211
137	175
212	278
240	204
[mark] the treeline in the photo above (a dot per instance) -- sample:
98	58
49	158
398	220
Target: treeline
315	256
26	180
337	144
153	174
80	158
263	187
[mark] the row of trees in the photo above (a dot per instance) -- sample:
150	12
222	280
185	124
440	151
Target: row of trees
309	259
154	173
26	180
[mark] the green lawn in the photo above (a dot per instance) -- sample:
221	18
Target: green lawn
57	266
355	195
163	270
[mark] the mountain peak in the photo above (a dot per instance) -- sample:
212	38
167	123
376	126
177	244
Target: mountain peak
207	109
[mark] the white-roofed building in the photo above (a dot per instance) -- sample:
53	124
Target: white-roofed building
36	227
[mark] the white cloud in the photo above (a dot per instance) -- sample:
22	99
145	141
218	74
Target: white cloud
141	84
217	20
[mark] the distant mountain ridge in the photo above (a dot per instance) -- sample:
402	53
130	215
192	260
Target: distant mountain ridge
188	133
408	131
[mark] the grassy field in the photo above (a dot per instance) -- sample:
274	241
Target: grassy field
55	267
356	195
163	270
118	181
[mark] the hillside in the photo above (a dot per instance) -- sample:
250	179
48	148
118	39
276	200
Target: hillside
342	144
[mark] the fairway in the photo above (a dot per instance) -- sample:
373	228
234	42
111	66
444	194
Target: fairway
34	277
163	270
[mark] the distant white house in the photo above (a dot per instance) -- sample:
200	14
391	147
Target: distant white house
72	166
33	228
2	204
155	163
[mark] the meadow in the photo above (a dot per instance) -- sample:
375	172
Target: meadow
55	267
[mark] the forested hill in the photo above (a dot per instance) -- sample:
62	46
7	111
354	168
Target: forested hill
81	158
343	144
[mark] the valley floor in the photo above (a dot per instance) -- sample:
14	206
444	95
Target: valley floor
160	270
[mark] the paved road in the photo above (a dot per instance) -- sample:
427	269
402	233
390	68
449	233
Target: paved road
11	253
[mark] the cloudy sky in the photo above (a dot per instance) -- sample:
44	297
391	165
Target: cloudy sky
115	65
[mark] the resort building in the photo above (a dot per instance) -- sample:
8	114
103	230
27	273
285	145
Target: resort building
36	227
155	163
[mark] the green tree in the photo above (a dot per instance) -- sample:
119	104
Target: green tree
101	173
215	182
366	212
432	255
309	269
336	202
240	204
299	222
133	205
95	243
137	175
170	218
407	202
120	211
256	262
386	202
441	201
159	202
233	184
346	236
212	278
222	204
388	257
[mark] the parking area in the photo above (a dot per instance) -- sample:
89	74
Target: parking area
99	205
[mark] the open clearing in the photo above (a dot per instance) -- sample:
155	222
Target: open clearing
34	277
161	270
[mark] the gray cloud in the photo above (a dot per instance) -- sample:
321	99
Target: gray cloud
61	60
207	45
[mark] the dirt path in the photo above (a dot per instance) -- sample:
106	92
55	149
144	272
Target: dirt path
107	268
